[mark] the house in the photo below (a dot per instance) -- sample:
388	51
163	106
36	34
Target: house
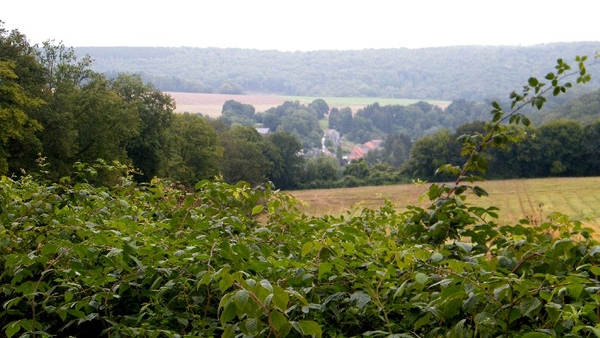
361	151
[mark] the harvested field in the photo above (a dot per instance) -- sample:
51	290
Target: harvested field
534	199
212	104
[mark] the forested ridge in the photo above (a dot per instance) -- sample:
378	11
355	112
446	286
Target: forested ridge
443	73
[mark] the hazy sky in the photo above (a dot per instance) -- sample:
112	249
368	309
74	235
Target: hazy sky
303	25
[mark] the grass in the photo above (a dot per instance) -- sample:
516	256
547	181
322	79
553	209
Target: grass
534	199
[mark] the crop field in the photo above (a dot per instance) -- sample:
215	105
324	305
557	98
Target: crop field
211	104
534	199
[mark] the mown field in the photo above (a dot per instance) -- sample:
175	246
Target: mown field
211	104
534	199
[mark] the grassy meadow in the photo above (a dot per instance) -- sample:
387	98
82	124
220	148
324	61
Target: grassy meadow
533	199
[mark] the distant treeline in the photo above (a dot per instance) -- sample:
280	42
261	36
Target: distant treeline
445	73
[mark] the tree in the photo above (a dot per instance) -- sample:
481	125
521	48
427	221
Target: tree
104	122
155	111
238	108
357	168
428	154
592	147
287	162
234	112
194	152
320	107
397	148
562	151
243	158
65	77
321	169
346	121
15	125
303	125
21	85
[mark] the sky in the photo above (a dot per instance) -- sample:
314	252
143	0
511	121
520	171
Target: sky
291	25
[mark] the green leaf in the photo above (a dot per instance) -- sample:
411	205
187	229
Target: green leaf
361	299
249	326
308	327
12	328
471	302
533	81
266	285
575	289
501	291
242	297
307	248
226	282
278	320
229	312
324	268
62	313
530	306
467	247
421	278
280	298
257	209
479	191
129	247
437	257
229	332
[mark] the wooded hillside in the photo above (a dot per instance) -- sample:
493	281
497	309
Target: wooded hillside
444	73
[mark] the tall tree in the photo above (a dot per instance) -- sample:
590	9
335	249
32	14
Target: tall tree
155	111
397	148
320	107
65	76
194	152
15	125
287	162
243	157
21	84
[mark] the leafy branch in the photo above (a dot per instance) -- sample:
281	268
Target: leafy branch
534	94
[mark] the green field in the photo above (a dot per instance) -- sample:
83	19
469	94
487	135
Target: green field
534	199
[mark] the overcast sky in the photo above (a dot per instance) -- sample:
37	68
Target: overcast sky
303	25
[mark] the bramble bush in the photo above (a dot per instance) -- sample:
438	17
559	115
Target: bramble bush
153	260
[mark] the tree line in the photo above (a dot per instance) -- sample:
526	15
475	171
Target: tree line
444	73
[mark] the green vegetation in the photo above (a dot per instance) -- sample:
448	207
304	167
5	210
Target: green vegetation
447	73
153	260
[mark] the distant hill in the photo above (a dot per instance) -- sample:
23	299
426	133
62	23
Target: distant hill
584	108
443	73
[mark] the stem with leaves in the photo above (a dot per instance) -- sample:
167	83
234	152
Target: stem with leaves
534	94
